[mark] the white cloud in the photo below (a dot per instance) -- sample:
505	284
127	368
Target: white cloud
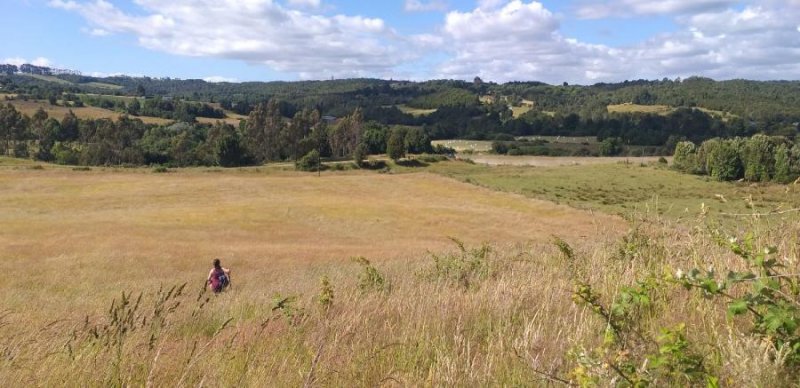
424	6
498	40
591	9
519	41
16	61
305	3
217	78
522	41
256	31
39	61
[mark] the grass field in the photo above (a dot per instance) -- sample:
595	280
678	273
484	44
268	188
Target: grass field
48	78
563	139
86	112
416	112
82	246
636	108
627	187
553	161
465	145
121	222
518	111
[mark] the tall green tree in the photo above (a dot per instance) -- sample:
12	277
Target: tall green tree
758	159
263	131
396	143
345	136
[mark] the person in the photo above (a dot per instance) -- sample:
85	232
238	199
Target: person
219	278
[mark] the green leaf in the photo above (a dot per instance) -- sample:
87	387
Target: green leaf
737	307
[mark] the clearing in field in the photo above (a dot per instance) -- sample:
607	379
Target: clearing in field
135	229
465	145
636	108
86	112
416	112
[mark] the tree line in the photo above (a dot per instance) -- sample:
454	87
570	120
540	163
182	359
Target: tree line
759	158
266	136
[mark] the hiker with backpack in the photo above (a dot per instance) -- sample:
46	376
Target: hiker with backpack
219	278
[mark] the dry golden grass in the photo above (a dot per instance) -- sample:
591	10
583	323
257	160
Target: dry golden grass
636	108
465	145
86	112
74	240
133	228
416	112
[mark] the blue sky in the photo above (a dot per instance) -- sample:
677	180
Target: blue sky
578	41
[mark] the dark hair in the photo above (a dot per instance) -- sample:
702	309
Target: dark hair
216	263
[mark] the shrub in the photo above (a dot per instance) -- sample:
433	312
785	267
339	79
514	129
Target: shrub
160	169
770	301
370	279
611	146
21	150
465	268
359	154
685	157
309	162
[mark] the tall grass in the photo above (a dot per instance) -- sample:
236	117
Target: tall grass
471	316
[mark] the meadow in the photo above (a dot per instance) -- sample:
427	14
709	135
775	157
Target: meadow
471	276
86	112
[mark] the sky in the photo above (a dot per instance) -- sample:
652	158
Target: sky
555	41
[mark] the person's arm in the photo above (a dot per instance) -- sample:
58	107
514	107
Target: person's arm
208	279
228	273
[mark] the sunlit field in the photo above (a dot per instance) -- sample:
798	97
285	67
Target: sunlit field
121	229
108	267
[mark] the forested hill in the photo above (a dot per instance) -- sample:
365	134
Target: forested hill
638	112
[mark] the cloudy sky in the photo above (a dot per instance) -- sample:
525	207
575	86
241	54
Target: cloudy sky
578	41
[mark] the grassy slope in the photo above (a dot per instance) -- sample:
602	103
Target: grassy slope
116	221
515	317
86	112
624	188
416	112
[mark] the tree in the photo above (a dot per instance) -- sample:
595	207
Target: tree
346	135
134	107
374	137
12	126
611	146
724	163
417	141
783	167
685	157
757	157
396	144
263	131
359	154
69	127
299	129
230	152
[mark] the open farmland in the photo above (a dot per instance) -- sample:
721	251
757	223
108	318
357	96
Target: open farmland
124	223
83	245
86	112
416	112
636	108
554	161
465	145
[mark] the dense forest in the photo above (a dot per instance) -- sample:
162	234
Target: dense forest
694	109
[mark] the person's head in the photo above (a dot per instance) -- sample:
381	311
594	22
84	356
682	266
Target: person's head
217	264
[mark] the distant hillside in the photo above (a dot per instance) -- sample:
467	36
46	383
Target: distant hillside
638	112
